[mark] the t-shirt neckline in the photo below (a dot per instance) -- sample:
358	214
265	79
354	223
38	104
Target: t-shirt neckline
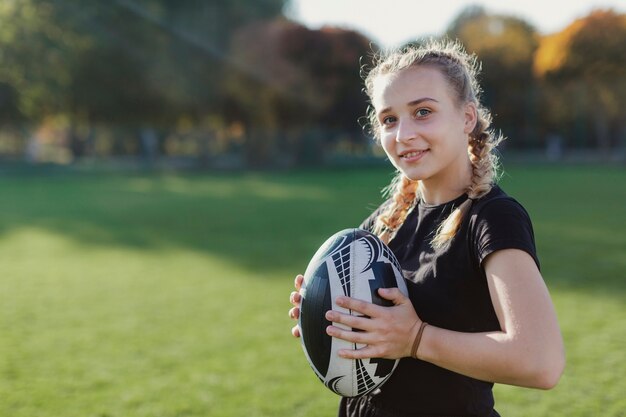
455	202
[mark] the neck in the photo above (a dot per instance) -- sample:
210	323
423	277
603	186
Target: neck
442	189
439	196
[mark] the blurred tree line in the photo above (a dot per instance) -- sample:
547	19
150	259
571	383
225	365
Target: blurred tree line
228	82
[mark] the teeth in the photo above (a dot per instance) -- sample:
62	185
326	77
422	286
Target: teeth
411	154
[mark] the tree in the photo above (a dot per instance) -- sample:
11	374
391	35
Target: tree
304	80
505	45
332	59
9	107
130	62
583	72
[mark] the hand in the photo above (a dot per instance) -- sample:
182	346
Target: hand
295	298
388	332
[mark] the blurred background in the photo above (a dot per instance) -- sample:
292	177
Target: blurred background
168	166
275	83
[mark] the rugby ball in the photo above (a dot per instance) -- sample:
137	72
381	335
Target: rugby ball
353	263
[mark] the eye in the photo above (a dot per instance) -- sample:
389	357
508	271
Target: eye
388	120
422	112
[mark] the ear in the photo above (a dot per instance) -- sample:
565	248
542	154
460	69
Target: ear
471	117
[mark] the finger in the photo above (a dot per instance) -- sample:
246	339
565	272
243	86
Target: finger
348	335
294	313
361	306
298	281
363	353
295	331
295	298
355	322
393	294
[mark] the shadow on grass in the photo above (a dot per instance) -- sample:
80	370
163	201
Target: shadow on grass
275	222
269	222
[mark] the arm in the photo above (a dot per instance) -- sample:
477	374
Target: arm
528	351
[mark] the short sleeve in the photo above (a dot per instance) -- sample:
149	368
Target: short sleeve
502	223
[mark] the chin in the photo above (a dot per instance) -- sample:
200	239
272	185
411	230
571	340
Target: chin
413	171
413	174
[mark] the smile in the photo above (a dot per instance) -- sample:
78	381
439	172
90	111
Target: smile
412	155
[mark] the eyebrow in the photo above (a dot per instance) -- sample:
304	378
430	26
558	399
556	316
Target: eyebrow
410	104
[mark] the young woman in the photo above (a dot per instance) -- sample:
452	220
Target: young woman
478	311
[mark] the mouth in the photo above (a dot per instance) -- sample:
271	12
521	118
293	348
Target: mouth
412	154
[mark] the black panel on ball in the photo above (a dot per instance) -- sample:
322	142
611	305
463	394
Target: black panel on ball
315	304
385	278
348	255
342	238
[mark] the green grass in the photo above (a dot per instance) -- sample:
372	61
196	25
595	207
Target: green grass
167	295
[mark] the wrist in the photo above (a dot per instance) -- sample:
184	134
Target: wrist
417	340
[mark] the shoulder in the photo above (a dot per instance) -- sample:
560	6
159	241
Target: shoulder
498	221
497	203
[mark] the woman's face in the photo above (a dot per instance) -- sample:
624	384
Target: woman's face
423	129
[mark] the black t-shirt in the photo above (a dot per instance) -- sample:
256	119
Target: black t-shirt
448	289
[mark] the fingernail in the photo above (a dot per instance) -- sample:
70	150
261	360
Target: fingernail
340	301
329	316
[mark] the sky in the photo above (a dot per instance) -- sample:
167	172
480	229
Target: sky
393	22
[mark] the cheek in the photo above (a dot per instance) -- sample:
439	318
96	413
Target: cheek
388	143
456	138
462	141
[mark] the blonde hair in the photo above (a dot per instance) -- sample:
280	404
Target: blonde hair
460	69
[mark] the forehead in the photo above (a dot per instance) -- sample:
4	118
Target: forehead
404	86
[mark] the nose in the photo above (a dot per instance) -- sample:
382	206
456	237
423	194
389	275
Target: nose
406	131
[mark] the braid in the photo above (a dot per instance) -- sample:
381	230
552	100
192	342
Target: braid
403	200
484	162
484	170
460	70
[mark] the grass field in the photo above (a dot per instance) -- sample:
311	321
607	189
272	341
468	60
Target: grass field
167	295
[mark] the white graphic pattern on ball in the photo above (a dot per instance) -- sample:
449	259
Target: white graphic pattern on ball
353	263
